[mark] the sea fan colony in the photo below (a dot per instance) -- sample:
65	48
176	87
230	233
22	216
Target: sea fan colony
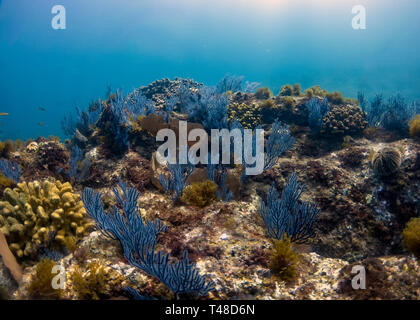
393	114
138	239
288	215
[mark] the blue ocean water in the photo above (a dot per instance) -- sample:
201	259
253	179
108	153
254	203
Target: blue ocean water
130	43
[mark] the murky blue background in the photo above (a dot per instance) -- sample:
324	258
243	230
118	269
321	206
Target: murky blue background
129	43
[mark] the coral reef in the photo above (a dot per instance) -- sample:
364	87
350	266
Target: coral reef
35	211
209	221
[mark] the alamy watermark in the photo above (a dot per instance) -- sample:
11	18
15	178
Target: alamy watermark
58	22
59	280
359	20
359	280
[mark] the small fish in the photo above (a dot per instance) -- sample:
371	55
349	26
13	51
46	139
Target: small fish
41	109
4	114
41	123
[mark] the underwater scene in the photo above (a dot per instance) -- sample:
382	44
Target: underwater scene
197	150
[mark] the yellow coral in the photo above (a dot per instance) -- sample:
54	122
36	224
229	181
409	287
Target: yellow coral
37	212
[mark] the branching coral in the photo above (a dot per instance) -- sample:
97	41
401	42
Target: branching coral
288	214
138	239
138	105
34	212
233	83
